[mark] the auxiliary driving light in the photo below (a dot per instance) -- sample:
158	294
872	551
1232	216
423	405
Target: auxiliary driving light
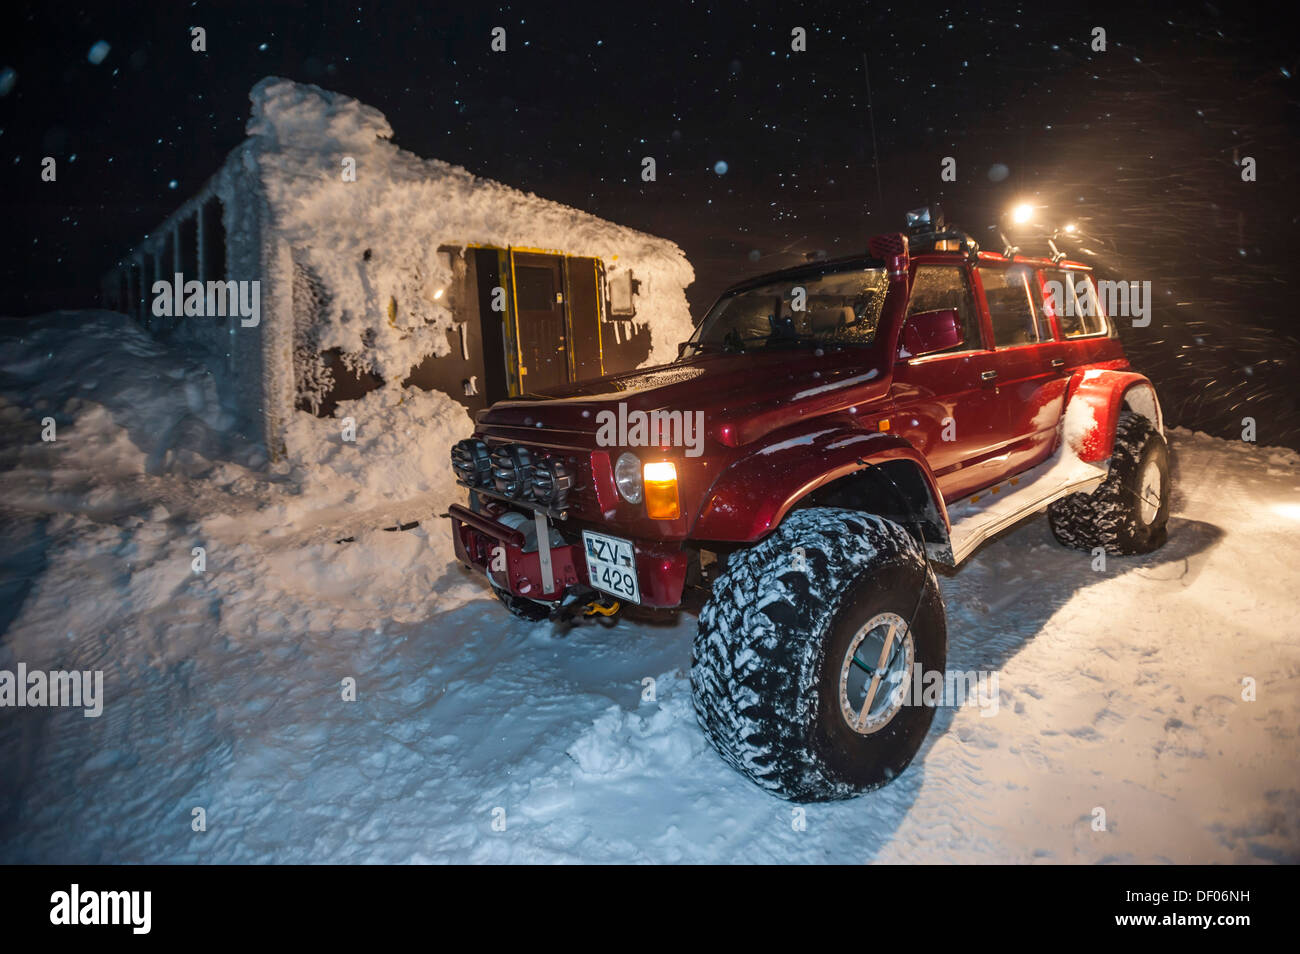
661	490
512	470
552	480
471	462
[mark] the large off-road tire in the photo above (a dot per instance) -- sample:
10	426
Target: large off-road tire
773	674
1128	513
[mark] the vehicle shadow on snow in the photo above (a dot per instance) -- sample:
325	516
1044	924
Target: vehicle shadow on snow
1009	591
1006	595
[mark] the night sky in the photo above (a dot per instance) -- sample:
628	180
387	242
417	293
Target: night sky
1138	144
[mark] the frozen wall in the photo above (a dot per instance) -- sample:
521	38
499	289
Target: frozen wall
371	244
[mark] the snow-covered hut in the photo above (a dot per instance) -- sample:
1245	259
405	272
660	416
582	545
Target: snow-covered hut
322	262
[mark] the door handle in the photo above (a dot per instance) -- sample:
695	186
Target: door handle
988	375
1058	362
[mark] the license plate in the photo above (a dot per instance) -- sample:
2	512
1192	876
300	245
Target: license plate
611	565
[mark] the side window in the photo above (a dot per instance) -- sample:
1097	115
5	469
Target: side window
1070	297
937	287
1016	320
1094	316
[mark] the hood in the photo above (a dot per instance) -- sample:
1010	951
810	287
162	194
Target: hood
742	396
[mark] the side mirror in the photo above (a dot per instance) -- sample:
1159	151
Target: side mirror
929	331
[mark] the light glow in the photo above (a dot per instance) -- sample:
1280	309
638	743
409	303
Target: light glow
1022	213
660	482
1289	510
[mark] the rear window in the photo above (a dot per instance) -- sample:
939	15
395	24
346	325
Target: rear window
1071	299
1016	319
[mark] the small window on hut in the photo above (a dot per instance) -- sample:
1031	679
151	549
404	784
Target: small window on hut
622	291
135	282
167	257
148	274
214	241
189	234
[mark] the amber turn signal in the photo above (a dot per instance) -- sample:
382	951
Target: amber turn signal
660	481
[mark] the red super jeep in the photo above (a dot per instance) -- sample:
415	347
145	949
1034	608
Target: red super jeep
827	432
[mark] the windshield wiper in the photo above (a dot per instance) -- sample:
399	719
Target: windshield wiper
733	342
698	347
786	338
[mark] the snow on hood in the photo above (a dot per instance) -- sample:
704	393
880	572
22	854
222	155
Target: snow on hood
375	240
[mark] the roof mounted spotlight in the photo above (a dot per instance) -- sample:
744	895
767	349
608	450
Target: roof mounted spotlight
924	220
1008	250
1057	254
928	232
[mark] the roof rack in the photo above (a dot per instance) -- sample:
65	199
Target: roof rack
927	232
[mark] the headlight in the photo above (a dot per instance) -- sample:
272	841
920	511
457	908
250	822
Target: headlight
512	470
471	463
627	476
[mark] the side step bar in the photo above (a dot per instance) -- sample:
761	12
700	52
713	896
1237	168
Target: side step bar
980	516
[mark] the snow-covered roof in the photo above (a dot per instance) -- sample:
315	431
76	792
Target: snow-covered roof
402	208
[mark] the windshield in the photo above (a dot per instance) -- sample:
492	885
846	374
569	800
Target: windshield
837	308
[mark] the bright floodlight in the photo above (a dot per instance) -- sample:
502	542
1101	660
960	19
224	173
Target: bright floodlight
1289	510
1071	227
1022	213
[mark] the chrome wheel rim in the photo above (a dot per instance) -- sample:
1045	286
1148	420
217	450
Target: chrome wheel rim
873	675
1149	496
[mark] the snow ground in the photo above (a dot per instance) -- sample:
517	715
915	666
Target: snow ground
1119	688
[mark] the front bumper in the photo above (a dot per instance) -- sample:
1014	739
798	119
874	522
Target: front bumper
500	552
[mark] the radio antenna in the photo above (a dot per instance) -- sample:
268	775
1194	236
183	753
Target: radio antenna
875	155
